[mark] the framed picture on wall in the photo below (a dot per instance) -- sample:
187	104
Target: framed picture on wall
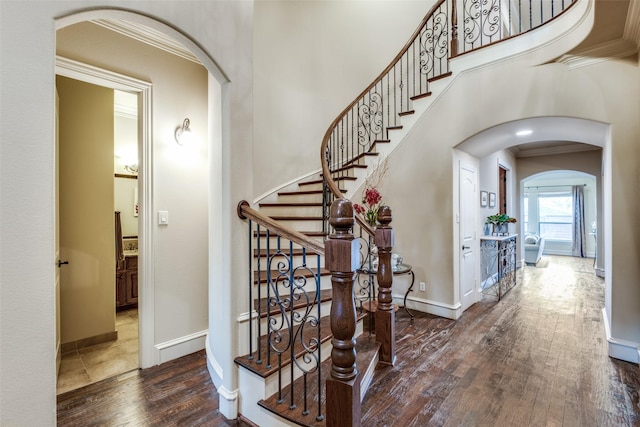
492	200
483	199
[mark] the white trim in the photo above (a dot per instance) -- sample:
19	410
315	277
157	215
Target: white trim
436	308
228	402
101	77
619	48
266	194
244	317
215	370
58	357
600	272
147	35
628	351
181	346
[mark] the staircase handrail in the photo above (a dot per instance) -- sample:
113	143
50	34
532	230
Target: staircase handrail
449	50
246	212
325	140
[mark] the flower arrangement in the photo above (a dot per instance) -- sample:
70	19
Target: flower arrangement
371	202
371	198
499	219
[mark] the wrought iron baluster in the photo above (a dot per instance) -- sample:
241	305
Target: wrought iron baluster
251	304
292	346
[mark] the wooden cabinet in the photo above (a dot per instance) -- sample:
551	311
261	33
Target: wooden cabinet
127	284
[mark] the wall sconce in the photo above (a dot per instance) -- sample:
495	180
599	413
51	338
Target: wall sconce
184	136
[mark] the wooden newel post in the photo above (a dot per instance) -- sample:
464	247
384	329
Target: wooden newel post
341	259
385	313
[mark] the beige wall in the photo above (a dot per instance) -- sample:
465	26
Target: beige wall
223	31
87	284
180	173
312	58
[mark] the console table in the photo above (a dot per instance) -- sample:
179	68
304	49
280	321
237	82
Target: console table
498	264
371	303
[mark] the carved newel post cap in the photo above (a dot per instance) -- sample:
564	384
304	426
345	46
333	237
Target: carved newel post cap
384	215
341	216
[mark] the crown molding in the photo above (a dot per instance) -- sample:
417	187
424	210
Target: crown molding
558	149
147	35
632	25
619	48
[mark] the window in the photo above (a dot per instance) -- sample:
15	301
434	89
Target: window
555	214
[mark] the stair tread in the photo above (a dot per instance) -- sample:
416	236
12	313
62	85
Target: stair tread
291	204
303	192
441	76
263	233
319	181
272	251
296	218
262	277
420	96
366	349
347	167
406	113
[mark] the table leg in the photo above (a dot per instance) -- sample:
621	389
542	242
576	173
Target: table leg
413	278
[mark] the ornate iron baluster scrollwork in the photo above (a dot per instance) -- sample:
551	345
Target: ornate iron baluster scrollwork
434	43
370	120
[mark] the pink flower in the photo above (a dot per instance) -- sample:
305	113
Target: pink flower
359	209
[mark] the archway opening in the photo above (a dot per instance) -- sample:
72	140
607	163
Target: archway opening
160	158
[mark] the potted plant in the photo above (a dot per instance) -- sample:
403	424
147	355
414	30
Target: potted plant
500	223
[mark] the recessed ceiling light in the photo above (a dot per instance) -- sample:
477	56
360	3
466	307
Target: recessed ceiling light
524	132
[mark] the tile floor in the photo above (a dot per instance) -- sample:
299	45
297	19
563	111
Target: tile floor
92	364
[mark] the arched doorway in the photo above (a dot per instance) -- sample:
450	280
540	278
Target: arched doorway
157	343
547	131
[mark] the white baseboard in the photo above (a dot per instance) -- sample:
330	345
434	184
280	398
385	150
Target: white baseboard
227	399
228	402
431	307
600	272
181	346
628	351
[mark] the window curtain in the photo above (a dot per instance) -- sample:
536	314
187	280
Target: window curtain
579	241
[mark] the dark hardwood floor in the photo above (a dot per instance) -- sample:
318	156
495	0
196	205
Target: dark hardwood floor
536	358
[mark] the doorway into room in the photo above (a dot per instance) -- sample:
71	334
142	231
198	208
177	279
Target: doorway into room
97	169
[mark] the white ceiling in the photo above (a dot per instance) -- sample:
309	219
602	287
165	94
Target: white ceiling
548	135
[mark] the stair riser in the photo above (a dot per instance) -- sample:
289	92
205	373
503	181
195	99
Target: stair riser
309	198
291	210
314	186
302	224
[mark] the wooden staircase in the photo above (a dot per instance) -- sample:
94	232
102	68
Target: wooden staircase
287	384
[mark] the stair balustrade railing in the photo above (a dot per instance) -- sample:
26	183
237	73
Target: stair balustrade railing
287	264
285	294
368	120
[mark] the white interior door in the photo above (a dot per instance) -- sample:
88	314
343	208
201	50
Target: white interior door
468	232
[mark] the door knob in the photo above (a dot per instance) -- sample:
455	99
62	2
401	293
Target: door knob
61	263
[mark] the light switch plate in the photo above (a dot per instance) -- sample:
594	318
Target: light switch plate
163	217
